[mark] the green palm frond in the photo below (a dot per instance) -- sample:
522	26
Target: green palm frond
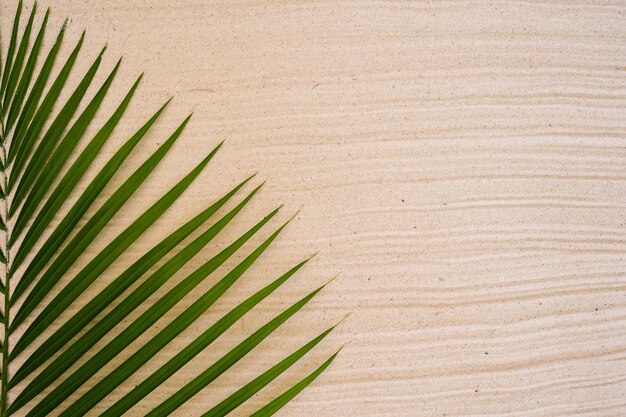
43	370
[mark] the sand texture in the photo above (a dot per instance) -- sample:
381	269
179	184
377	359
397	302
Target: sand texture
459	164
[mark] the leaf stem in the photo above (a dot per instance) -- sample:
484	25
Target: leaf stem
7	274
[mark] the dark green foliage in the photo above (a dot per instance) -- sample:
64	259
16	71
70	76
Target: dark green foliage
38	136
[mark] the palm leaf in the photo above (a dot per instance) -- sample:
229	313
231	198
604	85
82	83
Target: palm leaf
43	242
279	402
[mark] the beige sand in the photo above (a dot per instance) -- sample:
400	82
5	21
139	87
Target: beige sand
460	164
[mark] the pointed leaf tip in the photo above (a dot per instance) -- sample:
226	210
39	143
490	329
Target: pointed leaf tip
250	177
346	317
184	122
164	106
256	190
277	209
137	81
244	182
217	147
295	214
288	220
331	280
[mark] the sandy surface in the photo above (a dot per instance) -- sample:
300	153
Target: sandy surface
460	164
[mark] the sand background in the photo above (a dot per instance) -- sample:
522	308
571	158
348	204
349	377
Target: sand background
459	163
